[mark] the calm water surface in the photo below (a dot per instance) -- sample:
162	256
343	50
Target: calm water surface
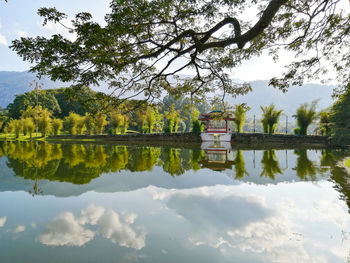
91	203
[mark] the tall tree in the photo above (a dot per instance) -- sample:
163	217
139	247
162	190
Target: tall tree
31	100
157	40
340	119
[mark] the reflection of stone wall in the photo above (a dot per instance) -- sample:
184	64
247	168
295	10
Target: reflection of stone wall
286	139
170	137
250	138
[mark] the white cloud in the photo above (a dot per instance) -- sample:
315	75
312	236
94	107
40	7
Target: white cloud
19	229
3	221
21	33
119	230
91	215
65	230
3	40
246	224
56	28
332	210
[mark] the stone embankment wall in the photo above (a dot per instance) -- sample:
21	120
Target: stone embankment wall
245	138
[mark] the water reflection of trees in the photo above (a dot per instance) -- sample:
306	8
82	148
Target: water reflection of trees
270	164
305	168
79	164
339	176
172	161
239	165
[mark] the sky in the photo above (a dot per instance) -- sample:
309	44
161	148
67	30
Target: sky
18	18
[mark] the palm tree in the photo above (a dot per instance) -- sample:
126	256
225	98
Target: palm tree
270	118
240	115
305	115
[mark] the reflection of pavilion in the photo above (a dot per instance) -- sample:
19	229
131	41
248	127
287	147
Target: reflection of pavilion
216	126
218	155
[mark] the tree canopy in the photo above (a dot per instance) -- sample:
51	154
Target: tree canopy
145	45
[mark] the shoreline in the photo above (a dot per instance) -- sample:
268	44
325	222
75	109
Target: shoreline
238	139
245	140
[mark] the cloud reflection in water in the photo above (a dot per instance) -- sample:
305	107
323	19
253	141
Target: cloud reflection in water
67	230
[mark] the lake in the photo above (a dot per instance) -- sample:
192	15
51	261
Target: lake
117	203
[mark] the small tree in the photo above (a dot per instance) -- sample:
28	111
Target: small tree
57	125
153	117
28	126
44	122
89	123
3	119
305	115
80	124
240	116
100	123
196	126
173	119
70	123
270	118
141	120
16	127
325	123
117	120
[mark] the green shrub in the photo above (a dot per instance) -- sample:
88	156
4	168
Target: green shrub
196	126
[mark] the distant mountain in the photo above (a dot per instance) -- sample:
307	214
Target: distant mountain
12	83
263	94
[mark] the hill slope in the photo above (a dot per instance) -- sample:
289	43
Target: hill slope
12	83
263	94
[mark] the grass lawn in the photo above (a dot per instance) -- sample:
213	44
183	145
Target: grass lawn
20	138
347	162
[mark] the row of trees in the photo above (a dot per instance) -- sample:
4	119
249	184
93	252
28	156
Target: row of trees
51	111
305	115
145	119
151	118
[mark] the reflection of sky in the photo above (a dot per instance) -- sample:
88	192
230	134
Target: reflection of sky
288	222
67	230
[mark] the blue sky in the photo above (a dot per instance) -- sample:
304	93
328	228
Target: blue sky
19	18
